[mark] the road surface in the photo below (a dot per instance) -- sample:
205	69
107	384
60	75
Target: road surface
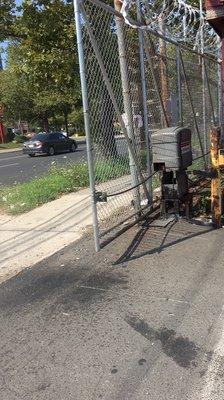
85	326
16	167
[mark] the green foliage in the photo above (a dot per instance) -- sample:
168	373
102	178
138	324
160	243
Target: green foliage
26	196
50	58
76	119
20	138
41	79
205	204
9	145
15	90
9	135
7	19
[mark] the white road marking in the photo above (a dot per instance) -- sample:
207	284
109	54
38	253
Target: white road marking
8	165
11	158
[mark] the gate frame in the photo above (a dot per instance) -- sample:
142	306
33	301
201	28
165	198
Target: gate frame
145	42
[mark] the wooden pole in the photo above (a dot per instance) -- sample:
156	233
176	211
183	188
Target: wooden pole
164	73
222	90
216	193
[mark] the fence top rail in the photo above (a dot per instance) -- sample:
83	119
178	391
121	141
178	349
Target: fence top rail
184	46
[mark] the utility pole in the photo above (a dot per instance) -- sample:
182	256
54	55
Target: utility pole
164	73
215	17
222	86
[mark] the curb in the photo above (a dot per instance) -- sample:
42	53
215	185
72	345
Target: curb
2	151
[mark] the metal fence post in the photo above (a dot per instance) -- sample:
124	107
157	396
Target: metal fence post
127	100
87	121
147	129
219	94
179	85
203	81
205	133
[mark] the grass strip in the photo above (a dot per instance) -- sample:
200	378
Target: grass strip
10	145
26	196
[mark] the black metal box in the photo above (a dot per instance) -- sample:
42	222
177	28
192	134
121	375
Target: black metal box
171	147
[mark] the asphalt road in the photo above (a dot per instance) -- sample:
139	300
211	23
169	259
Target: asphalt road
141	320
16	167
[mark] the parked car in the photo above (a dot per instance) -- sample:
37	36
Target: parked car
49	143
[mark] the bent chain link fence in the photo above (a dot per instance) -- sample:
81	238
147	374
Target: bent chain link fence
132	91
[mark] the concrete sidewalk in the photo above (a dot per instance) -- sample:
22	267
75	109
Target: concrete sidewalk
29	238
33	236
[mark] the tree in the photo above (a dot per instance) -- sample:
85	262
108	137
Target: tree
46	47
15	92
50	57
7	19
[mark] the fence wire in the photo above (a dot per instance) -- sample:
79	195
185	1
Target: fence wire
181	89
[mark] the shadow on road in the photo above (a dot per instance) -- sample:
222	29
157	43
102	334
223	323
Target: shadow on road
149	240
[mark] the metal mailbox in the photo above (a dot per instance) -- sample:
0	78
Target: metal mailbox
171	148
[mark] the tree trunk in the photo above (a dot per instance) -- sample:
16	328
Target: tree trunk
107	133
164	75
45	123
66	121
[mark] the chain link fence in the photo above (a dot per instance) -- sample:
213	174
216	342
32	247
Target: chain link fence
133	84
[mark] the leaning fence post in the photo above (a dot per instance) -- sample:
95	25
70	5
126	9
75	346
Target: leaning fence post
127	100
147	129
179	85
87	121
202	59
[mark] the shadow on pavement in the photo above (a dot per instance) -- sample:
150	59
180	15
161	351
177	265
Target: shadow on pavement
149	240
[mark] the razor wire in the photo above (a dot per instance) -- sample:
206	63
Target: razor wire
177	20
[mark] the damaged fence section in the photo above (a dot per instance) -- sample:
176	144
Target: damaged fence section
135	82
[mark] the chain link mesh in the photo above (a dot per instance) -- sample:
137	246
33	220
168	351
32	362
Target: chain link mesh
113	170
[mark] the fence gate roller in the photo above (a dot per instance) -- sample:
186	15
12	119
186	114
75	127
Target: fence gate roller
137	77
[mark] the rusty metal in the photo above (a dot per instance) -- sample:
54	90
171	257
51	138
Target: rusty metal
215	15
222	88
216	193
149	45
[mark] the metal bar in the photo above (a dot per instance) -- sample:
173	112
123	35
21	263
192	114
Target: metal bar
148	44
202	62
219	94
126	91
150	30
112	96
210	94
179	85
87	121
192	107
204	104
184	28
147	129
